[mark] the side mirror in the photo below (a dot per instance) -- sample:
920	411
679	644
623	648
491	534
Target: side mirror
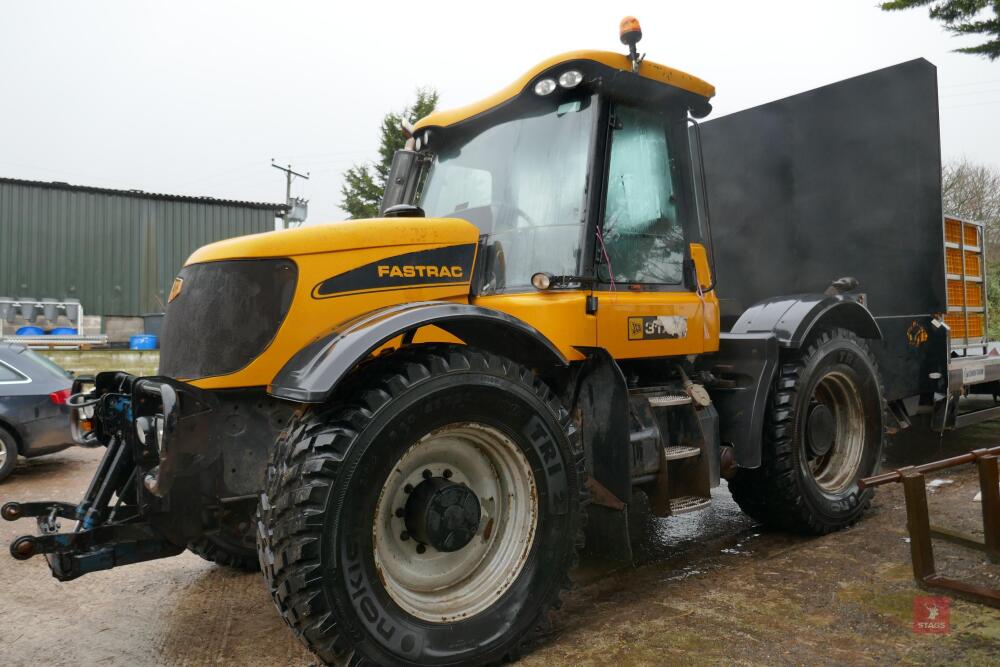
702	268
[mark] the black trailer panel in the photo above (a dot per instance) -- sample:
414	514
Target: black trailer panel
844	180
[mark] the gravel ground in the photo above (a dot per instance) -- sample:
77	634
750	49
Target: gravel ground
709	588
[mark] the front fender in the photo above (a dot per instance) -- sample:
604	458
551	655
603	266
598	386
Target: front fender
793	318
312	374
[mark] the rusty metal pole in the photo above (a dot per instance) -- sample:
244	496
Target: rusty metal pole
918	523
989	484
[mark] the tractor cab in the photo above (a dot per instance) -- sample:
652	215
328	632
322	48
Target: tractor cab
579	174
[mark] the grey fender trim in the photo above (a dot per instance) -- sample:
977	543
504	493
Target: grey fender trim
312	374
792	318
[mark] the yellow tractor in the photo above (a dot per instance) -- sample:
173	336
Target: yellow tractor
411	423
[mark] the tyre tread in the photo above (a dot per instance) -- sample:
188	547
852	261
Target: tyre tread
771	493
304	467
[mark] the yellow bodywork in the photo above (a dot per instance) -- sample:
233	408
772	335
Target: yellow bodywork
326	250
648	69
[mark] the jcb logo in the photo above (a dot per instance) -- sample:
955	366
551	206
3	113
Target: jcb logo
634	328
419	271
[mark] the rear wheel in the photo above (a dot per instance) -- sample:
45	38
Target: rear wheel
433	521
824	432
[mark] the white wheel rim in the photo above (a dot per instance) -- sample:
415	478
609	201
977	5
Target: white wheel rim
444	587
3	453
836	470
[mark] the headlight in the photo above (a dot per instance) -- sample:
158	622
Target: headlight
545	86
541	281
570	79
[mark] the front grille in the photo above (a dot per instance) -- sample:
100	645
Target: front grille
225	315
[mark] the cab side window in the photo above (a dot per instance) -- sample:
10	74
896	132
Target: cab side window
643	240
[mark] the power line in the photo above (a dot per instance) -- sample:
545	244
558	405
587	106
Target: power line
978	104
972	92
969	83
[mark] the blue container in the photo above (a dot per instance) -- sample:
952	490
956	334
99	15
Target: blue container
62	331
30	331
143	342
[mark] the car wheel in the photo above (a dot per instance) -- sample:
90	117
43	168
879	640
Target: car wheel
8	453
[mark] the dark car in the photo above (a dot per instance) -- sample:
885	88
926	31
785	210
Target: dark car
34	417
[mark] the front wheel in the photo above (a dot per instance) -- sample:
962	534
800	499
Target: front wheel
824	432
433	521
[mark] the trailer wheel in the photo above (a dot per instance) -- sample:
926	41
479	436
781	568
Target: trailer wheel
824	432
428	516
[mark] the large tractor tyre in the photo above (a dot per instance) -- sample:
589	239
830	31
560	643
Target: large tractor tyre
8	453
823	433
428	515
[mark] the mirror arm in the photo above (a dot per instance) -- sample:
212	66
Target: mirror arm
704	197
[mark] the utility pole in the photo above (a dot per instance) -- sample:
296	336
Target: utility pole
297	207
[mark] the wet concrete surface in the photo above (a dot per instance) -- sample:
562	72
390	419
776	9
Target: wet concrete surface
709	587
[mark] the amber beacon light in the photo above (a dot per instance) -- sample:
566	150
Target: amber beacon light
630	32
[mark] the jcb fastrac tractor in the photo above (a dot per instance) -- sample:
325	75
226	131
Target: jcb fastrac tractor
411	423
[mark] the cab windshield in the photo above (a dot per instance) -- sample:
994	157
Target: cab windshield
523	183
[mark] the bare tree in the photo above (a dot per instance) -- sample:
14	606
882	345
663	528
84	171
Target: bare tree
972	191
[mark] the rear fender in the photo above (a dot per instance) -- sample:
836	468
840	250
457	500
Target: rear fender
312	374
749	355
792	319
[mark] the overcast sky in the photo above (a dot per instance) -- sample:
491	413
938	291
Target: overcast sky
197	97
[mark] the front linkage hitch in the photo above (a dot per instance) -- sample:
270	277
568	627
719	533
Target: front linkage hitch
112	525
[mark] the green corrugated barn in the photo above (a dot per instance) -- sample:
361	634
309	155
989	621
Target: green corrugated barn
117	251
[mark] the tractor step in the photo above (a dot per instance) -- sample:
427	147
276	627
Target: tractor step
676	452
669	400
685	504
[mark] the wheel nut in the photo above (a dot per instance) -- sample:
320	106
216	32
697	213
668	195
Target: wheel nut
427	474
404	536
399	513
447	473
421	548
408	488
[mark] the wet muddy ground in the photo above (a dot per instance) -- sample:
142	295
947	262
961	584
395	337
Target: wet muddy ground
711	587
